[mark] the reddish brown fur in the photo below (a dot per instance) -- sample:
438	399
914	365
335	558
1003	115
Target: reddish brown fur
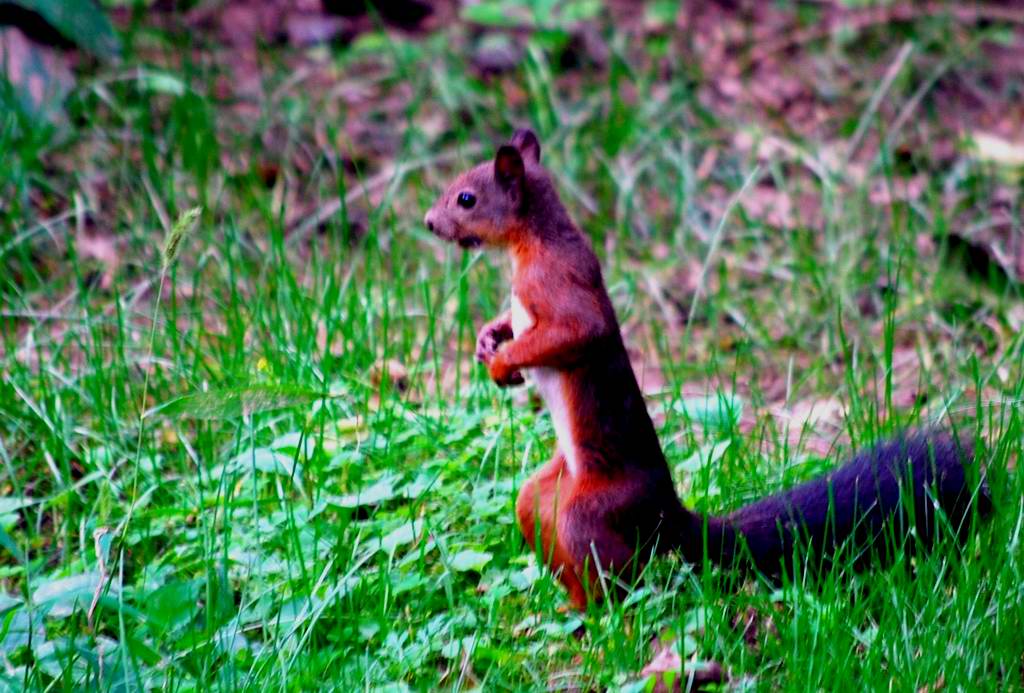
537	512
622	492
601	507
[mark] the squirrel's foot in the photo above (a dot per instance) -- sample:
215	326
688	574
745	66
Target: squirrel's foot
502	373
513	379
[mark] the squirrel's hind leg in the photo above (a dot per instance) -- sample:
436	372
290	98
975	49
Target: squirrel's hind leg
576	530
540	502
594	531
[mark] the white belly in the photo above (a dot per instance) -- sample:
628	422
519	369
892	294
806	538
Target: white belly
551	386
521	318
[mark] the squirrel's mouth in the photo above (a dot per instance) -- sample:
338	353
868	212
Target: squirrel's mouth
466	240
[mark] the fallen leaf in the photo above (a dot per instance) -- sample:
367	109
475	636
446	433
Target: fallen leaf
101	247
884	192
995	149
391	373
670	674
939	684
812	423
244	24
309	29
495	54
752	626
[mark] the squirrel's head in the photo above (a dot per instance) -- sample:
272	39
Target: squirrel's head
484	205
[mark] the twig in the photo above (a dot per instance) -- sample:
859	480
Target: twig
41	225
158	205
913	102
876	99
716	238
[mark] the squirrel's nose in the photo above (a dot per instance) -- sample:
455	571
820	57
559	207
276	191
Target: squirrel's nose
429	221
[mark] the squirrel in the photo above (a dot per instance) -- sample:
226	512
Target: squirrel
606	501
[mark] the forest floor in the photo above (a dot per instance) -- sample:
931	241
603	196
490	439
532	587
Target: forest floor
809	217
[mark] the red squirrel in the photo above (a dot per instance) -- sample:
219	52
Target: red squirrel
606	501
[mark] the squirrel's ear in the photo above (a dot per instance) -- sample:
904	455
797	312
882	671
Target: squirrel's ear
508	168
527	143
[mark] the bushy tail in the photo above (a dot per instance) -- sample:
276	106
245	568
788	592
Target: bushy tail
858	508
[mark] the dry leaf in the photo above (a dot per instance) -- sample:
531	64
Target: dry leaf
671	675
309	29
751	625
884	192
93	245
996	150
391	373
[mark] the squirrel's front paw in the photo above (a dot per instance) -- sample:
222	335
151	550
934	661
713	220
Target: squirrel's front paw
486	347
502	374
490	338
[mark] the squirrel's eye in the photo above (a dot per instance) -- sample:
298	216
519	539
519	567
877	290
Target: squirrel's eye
466	200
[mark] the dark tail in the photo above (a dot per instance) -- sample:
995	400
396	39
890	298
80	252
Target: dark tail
858	509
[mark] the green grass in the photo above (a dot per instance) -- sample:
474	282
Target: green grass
369	540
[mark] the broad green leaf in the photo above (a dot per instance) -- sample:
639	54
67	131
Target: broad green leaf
579	10
405	534
80	21
716	410
230	639
503	14
65	595
172	605
235	402
370	43
300	609
469	559
295	611
66	589
393	687
8	504
7	602
17	629
524	578
267	461
6	541
161	83
662	12
703	456
293	440
461	646
419	486
374	494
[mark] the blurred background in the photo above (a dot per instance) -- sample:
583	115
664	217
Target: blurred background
808	212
